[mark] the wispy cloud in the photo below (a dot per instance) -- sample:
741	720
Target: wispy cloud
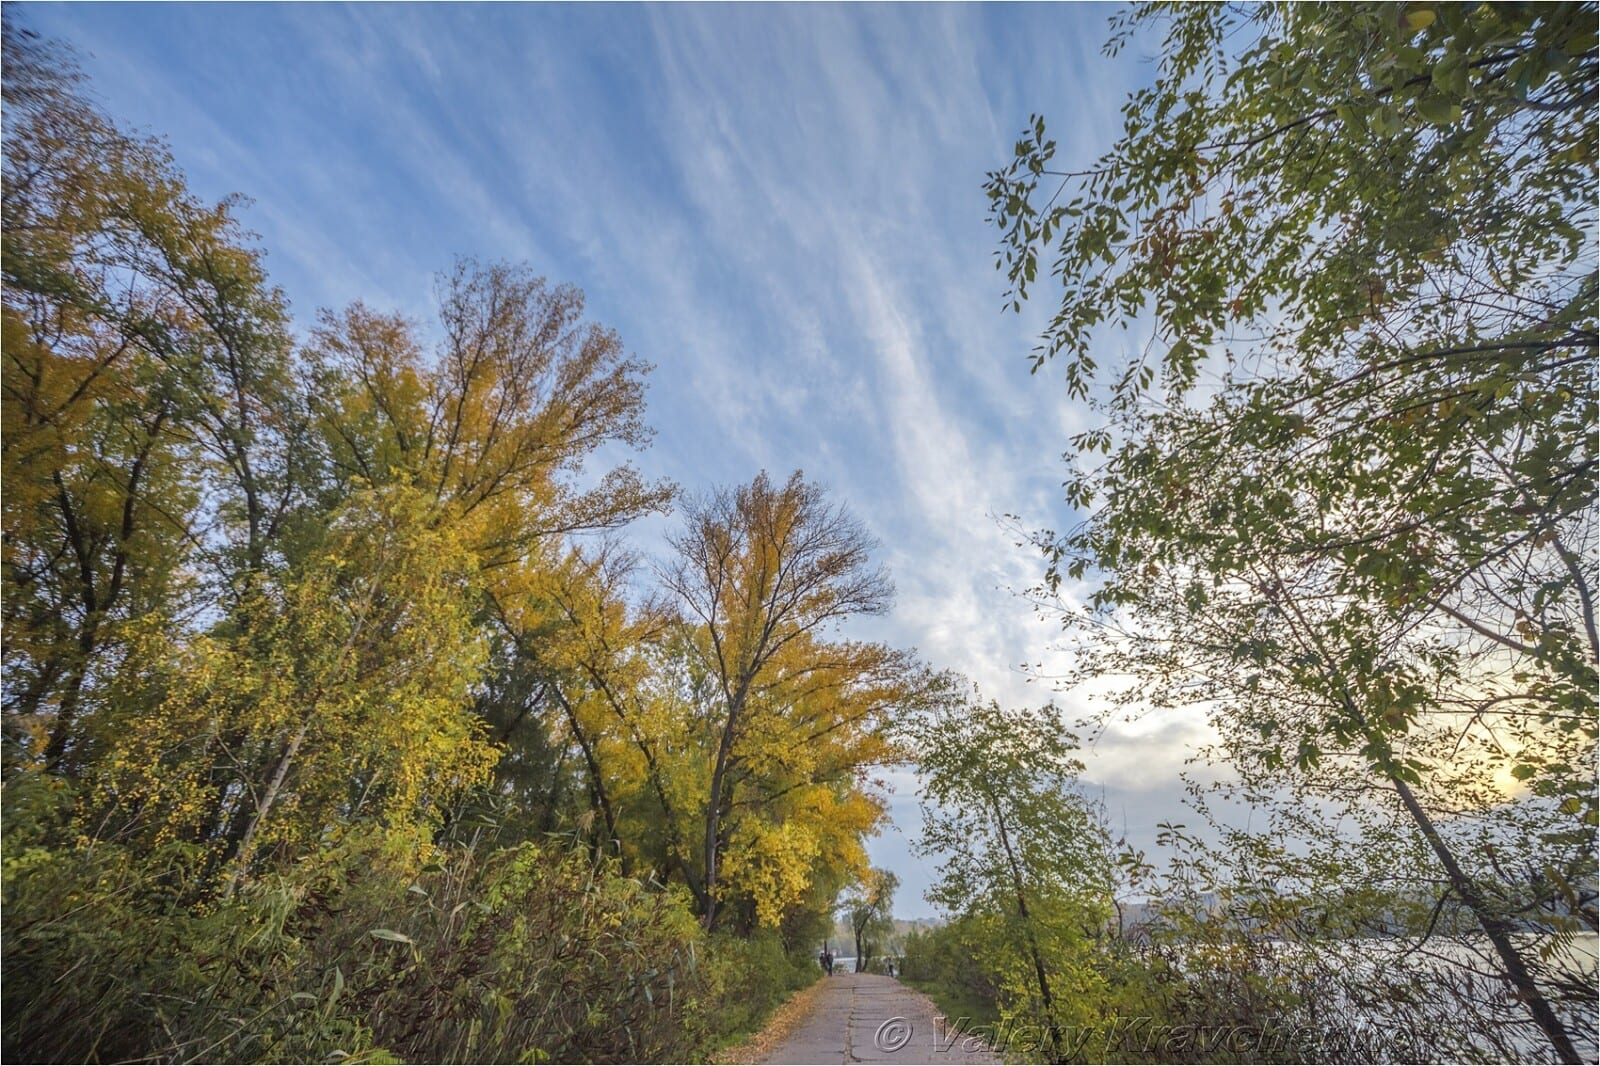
779	206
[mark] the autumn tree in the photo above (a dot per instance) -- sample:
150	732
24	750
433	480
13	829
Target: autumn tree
586	654
870	912
494	427
1344	500
633	684
496	424
150	424
762	574
341	696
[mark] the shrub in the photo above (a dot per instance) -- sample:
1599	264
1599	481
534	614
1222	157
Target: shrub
746	979
363	951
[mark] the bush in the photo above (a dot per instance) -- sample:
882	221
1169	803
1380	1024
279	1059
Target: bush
535	955
529	954
746	979
947	963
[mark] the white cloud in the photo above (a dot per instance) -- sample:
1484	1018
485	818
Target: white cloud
781	207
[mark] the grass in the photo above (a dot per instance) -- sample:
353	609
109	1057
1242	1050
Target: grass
955	1005
779	1023
961	1008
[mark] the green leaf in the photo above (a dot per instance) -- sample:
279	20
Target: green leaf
1386	120
1450	74
390	934
1437	110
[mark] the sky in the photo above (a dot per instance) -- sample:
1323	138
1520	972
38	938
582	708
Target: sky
780	207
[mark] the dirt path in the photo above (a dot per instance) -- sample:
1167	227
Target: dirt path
863	1017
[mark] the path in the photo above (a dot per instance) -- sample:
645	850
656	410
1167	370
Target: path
863	1017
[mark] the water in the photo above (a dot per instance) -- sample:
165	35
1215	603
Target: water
1398	999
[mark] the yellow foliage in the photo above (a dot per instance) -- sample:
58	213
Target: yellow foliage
771	863
367	656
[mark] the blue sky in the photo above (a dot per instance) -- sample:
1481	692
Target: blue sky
779	206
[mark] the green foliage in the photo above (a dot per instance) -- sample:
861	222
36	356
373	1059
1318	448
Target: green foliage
748	976
1344	503
870	912
1025	860
526	954
947	962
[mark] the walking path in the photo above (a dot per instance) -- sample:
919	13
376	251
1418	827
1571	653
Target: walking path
863	1017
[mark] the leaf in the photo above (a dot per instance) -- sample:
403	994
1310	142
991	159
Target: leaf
1450	74
1420	18
1437	110
390	934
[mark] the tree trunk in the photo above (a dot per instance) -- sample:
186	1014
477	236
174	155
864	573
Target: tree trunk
597	784
1494	926
669	817
1498	930
719	777
55	752
96	605
247	844
1052	1030
88	593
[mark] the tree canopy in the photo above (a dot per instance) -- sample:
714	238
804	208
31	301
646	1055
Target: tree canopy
338	720
1343	497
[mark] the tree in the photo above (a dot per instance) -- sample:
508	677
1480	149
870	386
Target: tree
1019	845
870	911
1366	545
340	697
150	423
585	653
495	426
624	683
761	573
